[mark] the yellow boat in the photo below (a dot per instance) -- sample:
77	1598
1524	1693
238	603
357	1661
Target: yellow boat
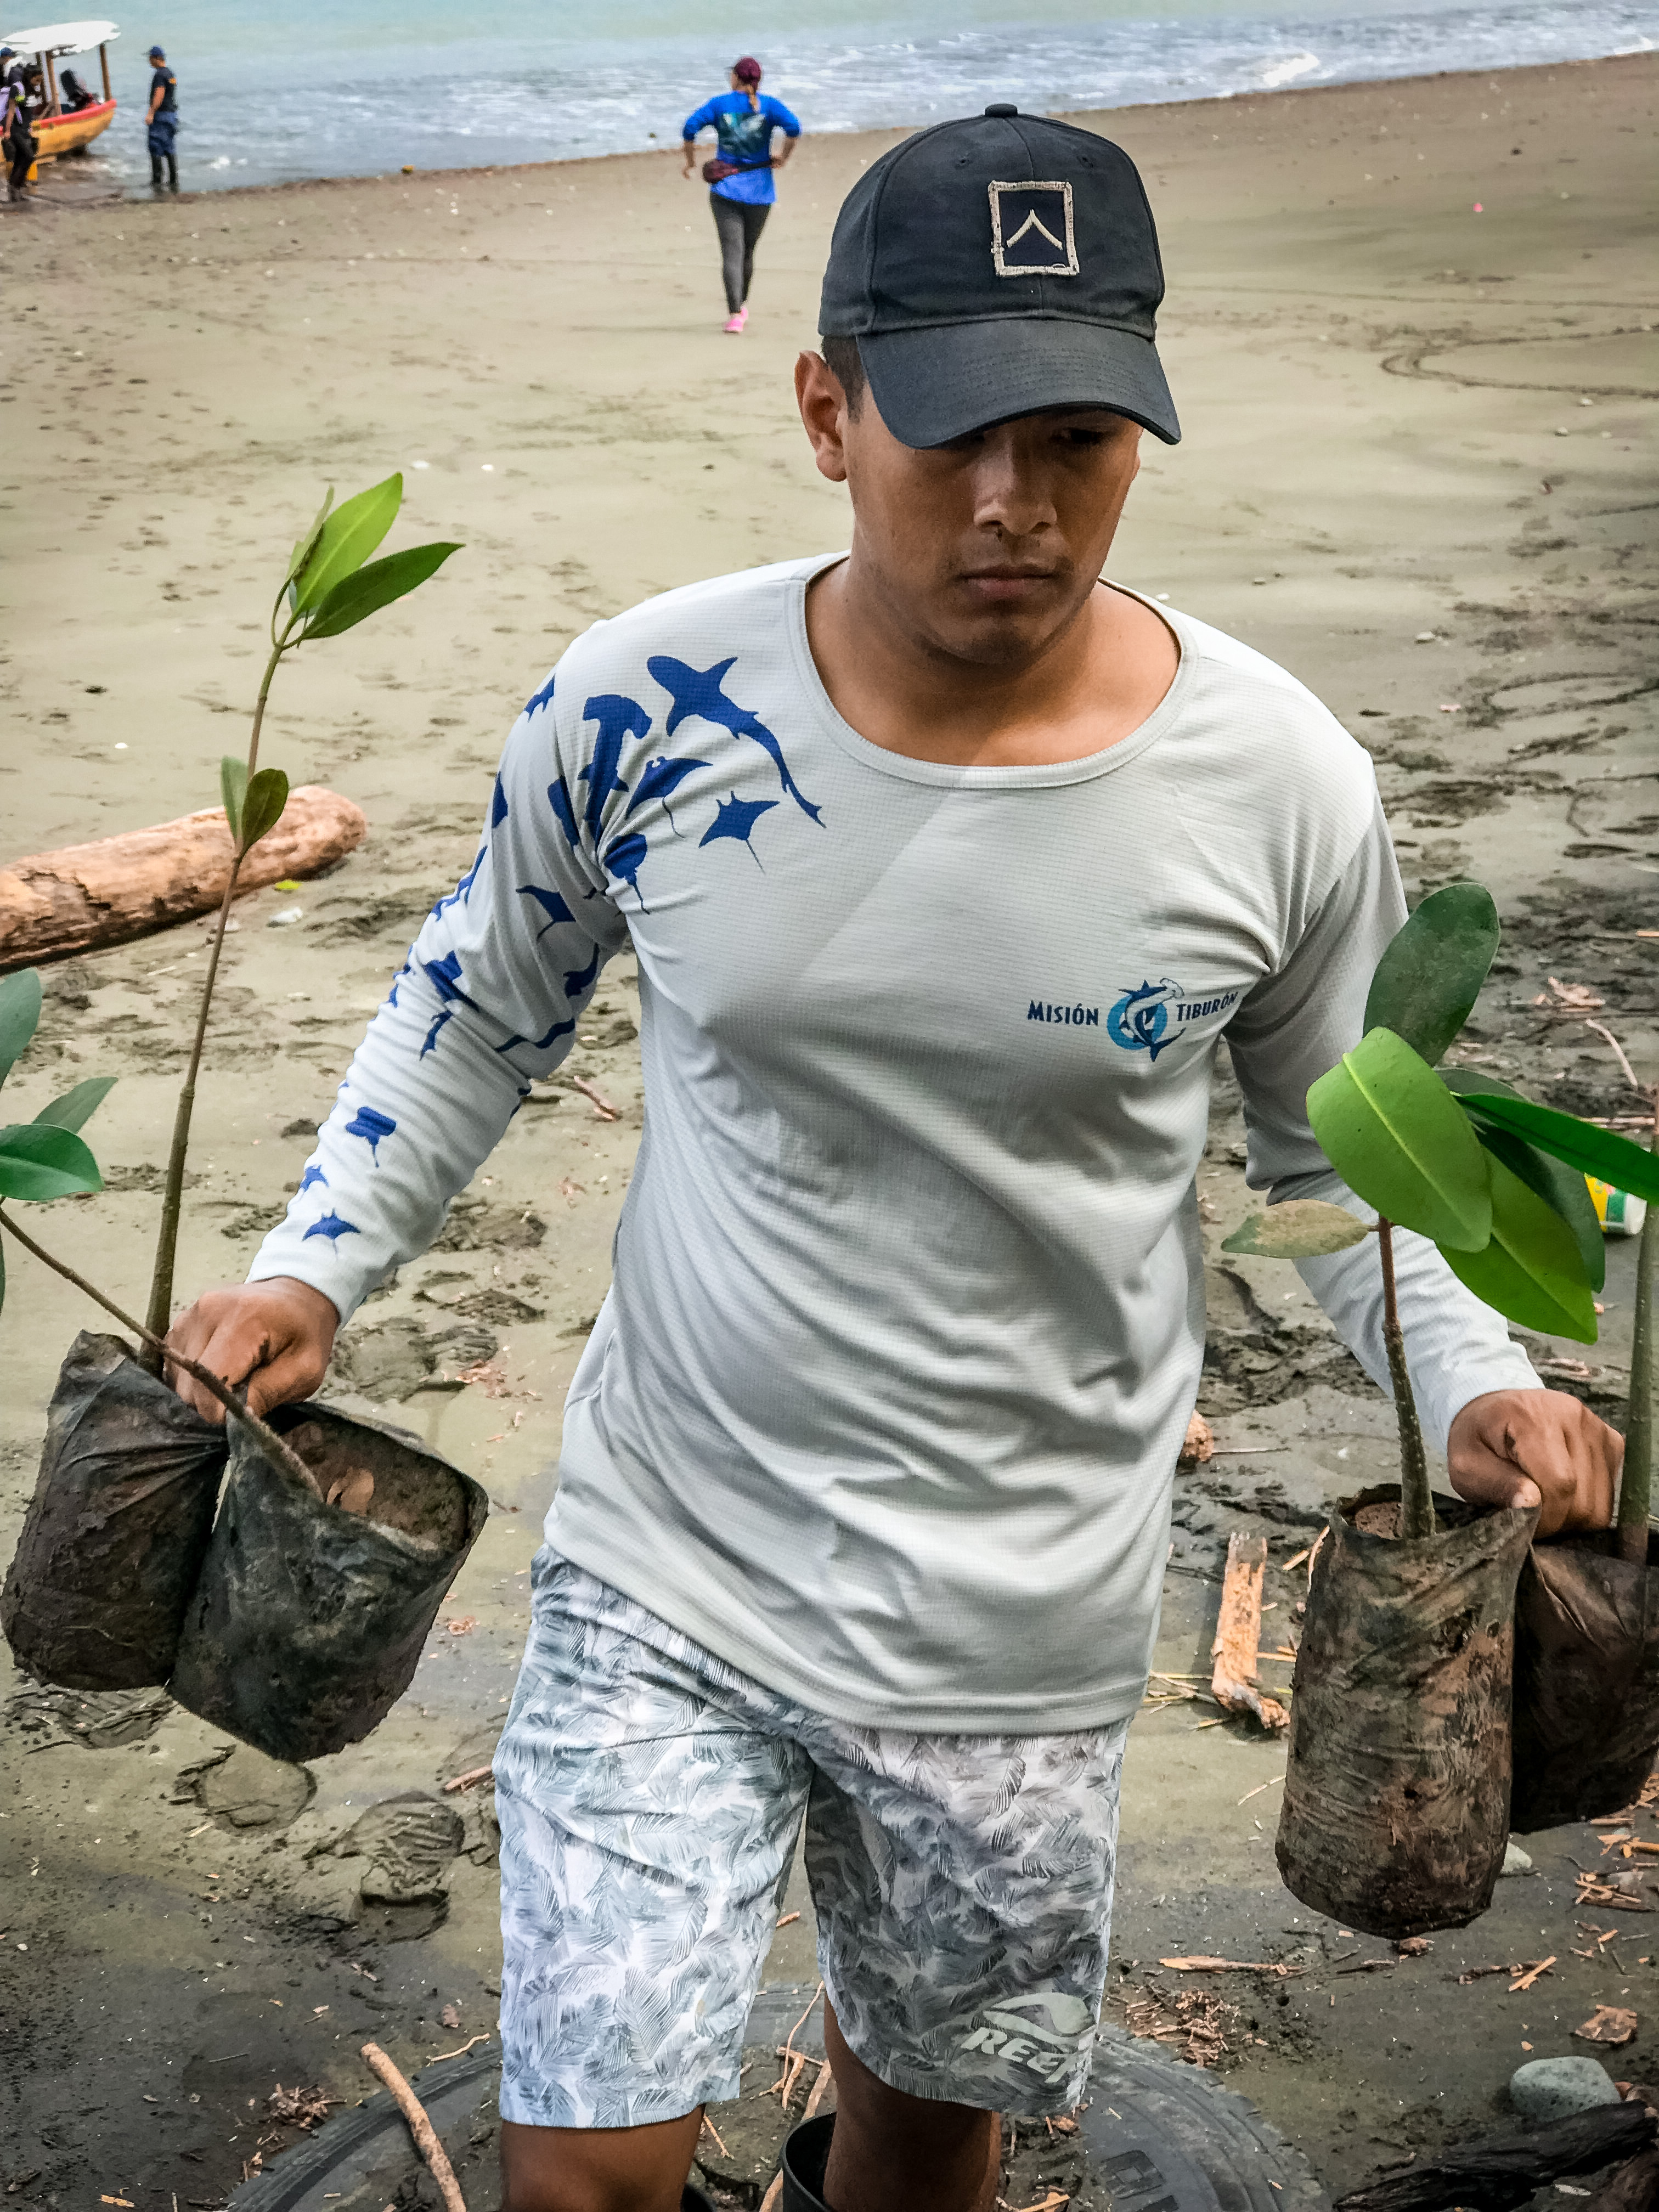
59	128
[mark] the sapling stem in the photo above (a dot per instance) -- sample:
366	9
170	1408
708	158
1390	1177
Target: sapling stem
1636	1488
1416	1498
160	1311
269	1442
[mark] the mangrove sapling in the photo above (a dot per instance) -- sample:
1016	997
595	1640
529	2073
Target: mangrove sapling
1397	1803
122	1512
327	590
48	1158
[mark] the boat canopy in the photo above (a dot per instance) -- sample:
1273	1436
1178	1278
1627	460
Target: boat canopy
60	38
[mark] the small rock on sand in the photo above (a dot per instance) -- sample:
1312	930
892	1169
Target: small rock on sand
1551	2088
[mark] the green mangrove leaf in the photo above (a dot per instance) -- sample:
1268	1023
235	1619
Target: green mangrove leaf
1532	1271
1398	1139
262	809
1430	977
306	546
38	1161
1552	1180
1595	1151
232	789
77	1107
1300	1229
348	537
375	587
19	1015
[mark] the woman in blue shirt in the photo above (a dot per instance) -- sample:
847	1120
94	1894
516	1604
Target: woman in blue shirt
741	175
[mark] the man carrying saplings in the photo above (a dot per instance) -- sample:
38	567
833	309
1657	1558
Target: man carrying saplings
947	867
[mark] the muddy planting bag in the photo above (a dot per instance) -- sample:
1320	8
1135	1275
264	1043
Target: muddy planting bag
311	1611
117	1528
1586	1680
1396	1806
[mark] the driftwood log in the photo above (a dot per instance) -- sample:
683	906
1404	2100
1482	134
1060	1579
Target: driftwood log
1233	1682
1496	2173
53	904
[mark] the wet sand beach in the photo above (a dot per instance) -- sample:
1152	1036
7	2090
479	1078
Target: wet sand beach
1412	328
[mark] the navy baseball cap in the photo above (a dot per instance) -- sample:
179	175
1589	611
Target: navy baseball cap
156	55
997	266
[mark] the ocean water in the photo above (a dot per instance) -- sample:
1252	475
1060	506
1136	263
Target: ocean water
361	87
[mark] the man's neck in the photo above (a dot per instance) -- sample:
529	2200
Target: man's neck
1093	685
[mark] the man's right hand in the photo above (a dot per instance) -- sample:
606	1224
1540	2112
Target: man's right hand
276	1336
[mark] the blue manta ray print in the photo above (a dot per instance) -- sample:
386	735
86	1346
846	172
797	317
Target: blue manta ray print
662	779
331	1227
551	904
700	691
497	803
313	1174
736	817
373	1127
626	858
619	719
537	700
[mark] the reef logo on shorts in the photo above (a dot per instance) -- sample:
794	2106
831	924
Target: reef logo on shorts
1048	2033
1154	1016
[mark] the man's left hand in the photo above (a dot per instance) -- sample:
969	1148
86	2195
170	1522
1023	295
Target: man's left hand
1521	1448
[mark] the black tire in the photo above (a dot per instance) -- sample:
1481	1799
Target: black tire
1167	2138
1163	2136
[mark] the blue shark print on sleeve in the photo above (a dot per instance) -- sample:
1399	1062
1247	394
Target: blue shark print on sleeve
578	979
626	858
333	1228
537	700
662	779
551	904
541	1043
459	896
736	818
564	811
374	1127
619	719
498	809
444	977
700	691
313	1174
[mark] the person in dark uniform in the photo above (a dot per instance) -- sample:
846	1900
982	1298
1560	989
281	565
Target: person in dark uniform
162	121
15	137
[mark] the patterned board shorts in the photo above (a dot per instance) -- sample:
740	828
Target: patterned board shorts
650	1797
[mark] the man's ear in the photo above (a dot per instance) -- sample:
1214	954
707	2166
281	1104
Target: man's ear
823	404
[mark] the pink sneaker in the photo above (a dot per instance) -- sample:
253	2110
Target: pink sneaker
734	326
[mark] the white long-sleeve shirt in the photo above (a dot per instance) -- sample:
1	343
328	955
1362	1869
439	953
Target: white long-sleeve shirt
907	1313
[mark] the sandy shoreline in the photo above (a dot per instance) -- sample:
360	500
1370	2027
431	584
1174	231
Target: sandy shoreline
1417	469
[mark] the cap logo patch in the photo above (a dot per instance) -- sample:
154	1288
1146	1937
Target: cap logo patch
1032	232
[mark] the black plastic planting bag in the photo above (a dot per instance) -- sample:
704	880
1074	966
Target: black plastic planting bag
1586	1680
117	1528
1396	1801
309	1616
